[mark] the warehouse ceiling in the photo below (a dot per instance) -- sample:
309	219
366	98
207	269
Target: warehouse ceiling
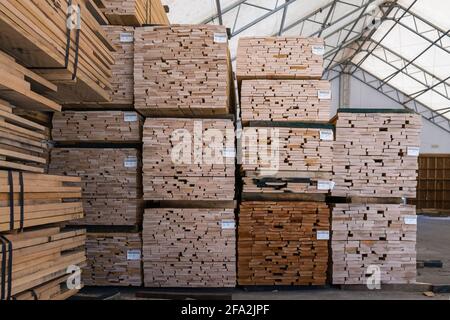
400	48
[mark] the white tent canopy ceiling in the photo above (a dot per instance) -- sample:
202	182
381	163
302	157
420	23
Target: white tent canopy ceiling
400	48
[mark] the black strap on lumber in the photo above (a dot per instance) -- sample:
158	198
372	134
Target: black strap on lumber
34	294
278	183
6	288
11	200
21	200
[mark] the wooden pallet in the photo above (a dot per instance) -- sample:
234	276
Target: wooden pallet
376	153
40	256
97	127
281	58
189	179
182	71
46	199
189	248
285	100
36	35
382	235
113	259
279	243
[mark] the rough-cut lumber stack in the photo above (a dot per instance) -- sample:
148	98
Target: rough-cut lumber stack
194	175
382	235
114	259
189	248
283	243
182	71
295	158
36	33
57	289
375	153
285	100
97	126
279	58
158	14
46	199
107	175
40	256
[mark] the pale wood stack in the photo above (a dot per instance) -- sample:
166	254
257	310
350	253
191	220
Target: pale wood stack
114	259
81	70
165	179
189	248
375	165
182	71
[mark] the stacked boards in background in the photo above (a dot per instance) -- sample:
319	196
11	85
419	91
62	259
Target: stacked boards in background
104	149
287	153
375	167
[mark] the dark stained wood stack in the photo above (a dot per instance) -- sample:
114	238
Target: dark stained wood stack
280	243
182	71
189	247
114	259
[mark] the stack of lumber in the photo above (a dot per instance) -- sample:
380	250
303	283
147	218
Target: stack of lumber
114	259
290	158
189	248
376	153
108	176
158	13
43	199
80	67
279	58
182	70
285	100
382	235
182	162
97	127
280	243
55	290
33	258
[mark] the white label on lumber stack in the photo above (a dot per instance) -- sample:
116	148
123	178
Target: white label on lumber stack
126	37
323	235
220	37
318	50
411	220
413	151
324	94
130	162
229	153
327	135
228	224
325	185
130	117
133	255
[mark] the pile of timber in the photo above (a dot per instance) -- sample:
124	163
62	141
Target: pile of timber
285	100
38	199
97	126
55	290
133	12
376	153
189	248
283	243
279	58
182	70
182	161
35	258
290	158
380	235
114	259
80	67
111	181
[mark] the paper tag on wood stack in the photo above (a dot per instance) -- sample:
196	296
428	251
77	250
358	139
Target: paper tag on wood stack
134	255
130	117
126	37
318	50
323	235
327	135
410	220
324	94
130	162
229	153
325	185
220	38
413	151
228	224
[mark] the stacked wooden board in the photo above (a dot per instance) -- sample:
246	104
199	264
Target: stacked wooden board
114	259
189	247
172	170
80	67
182	71
280	243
